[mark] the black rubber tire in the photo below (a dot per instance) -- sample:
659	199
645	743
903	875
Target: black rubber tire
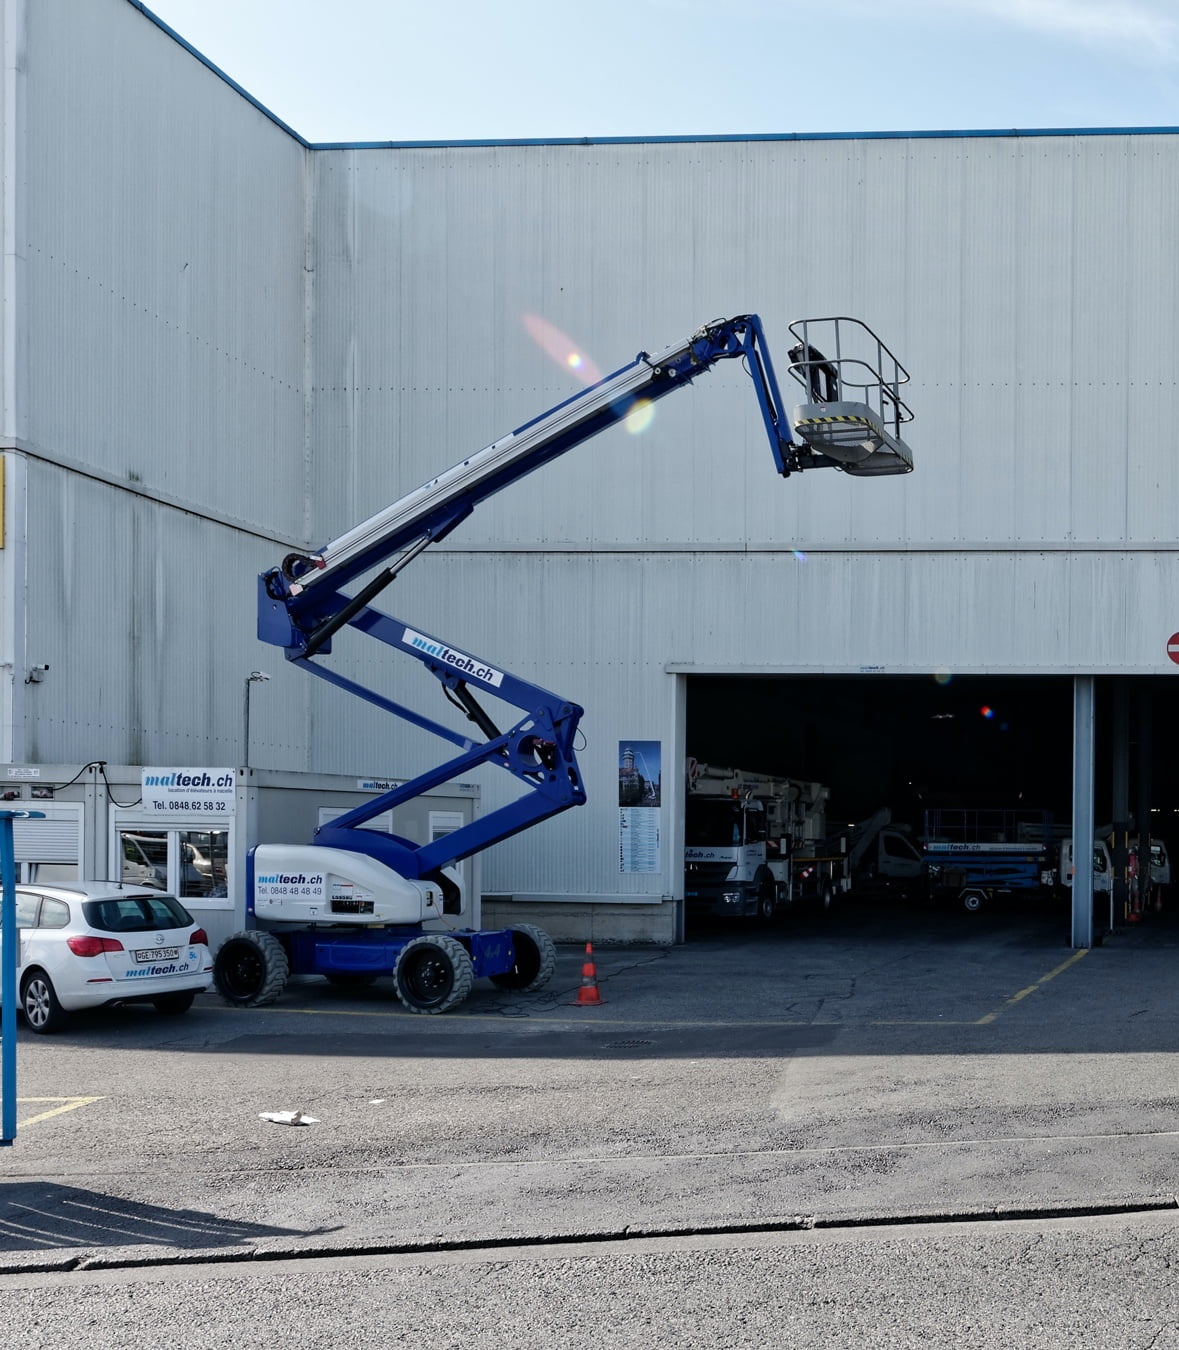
972	901
250	969
38	1002
826	897
536	959
433	974
172	1005
767	901
349	979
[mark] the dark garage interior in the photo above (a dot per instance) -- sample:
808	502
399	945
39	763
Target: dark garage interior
914	743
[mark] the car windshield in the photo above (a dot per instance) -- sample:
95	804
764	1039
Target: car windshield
135	913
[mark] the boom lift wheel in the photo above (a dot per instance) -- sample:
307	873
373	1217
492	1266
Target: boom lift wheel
433	974
250	969
536	959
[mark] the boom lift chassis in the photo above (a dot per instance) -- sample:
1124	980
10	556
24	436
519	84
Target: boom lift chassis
353	904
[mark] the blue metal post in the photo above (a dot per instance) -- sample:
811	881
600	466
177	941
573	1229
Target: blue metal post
9	961
1084	721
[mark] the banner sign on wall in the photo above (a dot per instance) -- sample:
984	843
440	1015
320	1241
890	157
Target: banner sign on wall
207	791
640	781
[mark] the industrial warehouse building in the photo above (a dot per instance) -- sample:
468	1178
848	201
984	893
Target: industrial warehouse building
221	343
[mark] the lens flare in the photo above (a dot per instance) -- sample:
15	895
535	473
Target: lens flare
799	554
640	416
986	711
561	348
942	676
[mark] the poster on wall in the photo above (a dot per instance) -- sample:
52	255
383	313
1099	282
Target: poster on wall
640	780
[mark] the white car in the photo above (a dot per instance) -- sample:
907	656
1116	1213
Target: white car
93	943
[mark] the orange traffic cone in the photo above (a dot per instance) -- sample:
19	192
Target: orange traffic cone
588	995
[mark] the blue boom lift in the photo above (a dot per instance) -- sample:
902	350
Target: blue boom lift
359	902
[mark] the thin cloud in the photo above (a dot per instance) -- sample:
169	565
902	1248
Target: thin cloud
1140	27
1148	29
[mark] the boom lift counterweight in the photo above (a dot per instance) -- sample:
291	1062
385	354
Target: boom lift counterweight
328	907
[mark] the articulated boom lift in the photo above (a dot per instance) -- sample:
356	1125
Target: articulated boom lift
352	904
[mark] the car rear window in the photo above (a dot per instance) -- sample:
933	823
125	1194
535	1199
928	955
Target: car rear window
135	913
54	913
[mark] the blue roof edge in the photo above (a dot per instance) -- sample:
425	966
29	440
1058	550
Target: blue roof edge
1006	132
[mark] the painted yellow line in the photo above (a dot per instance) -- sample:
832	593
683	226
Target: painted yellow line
66	1104
1031	989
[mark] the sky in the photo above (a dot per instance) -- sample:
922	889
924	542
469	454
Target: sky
403	70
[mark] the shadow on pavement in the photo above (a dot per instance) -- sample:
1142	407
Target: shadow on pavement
624	1043
40	1216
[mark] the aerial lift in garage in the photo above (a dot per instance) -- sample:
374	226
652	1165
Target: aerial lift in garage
359	902
755	843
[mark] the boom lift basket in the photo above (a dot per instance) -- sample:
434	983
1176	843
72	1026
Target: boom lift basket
854	412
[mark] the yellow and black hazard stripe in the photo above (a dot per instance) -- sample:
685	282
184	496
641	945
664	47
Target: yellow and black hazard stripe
835	417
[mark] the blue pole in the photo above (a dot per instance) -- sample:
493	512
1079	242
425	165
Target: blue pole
9	960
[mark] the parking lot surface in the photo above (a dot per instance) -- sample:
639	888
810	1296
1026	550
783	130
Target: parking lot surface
871	1067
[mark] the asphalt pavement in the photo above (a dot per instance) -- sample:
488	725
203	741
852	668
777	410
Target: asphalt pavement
874	1070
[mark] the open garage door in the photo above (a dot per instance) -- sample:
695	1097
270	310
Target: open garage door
951	762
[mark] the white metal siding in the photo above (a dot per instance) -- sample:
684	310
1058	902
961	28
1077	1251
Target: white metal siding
145	616
1027	283
162	243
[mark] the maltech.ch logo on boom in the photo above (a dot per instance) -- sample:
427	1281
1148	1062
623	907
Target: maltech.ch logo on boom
448	656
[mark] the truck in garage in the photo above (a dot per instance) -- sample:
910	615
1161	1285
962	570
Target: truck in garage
754	844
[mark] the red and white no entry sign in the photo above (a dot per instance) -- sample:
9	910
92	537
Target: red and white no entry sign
1173	647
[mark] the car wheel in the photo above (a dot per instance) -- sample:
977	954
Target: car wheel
536	959
172	1005
38	1001
433	974
250	969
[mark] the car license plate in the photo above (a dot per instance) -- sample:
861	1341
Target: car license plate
158	954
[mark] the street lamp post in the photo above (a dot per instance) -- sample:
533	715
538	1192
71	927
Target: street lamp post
254	677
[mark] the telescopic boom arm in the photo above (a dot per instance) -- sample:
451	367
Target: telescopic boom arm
301	605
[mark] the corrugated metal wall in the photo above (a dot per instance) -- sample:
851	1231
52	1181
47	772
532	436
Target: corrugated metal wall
163	269
162	245
121	609
1027	282
273	342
